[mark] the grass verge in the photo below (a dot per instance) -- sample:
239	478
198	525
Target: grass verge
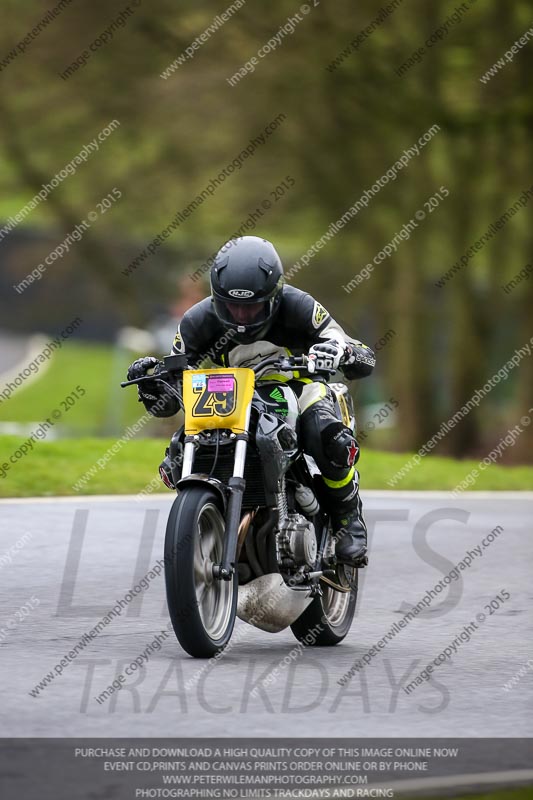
98	370
52	468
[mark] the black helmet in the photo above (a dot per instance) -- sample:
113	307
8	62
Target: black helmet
246	285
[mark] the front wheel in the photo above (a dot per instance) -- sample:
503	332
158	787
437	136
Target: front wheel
202	609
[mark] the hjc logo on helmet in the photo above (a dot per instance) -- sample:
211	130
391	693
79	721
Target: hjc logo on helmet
241	293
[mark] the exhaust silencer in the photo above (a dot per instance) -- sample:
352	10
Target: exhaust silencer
269	604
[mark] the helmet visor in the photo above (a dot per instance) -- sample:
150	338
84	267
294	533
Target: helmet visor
235	312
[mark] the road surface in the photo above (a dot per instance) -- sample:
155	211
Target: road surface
13	350
68	561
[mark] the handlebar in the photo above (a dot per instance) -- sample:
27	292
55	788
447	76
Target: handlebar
175	365
289	363
306	363
155	376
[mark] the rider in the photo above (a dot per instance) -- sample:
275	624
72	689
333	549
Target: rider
252	314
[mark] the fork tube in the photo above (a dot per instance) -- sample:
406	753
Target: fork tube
240	458
188	457
240	450
236	485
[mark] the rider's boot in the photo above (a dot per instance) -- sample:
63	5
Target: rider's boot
351	540
349	527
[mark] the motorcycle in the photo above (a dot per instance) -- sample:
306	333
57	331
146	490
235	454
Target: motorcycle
247	535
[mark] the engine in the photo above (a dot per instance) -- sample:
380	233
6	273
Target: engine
297	542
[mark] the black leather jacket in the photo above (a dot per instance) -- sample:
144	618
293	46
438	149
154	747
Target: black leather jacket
300	322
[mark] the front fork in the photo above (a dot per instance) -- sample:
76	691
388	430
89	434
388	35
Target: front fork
236	485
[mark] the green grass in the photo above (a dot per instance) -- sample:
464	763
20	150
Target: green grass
436	472
52	468
95	368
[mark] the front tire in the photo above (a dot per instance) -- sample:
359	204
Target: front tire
202	609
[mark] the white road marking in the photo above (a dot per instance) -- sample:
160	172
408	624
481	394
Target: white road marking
36	344
371	494
469	779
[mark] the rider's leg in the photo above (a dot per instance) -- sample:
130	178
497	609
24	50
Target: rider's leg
333	446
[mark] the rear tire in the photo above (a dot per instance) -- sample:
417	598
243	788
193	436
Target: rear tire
328	619
202	609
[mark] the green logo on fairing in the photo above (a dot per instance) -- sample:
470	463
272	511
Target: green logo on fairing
279	397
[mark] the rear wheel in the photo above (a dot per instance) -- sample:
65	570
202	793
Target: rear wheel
328	619
202	609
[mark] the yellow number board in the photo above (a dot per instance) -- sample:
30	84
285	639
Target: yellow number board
217	398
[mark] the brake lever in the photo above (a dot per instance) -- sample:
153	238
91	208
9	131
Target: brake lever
314	370
163	374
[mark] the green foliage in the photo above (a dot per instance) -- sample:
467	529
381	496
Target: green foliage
344	127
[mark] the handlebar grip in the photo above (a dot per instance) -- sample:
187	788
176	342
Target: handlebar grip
298	361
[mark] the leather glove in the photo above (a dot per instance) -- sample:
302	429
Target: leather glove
141	367
359	354
326	356
149	391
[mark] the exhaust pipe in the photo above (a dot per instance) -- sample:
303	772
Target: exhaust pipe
269	604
